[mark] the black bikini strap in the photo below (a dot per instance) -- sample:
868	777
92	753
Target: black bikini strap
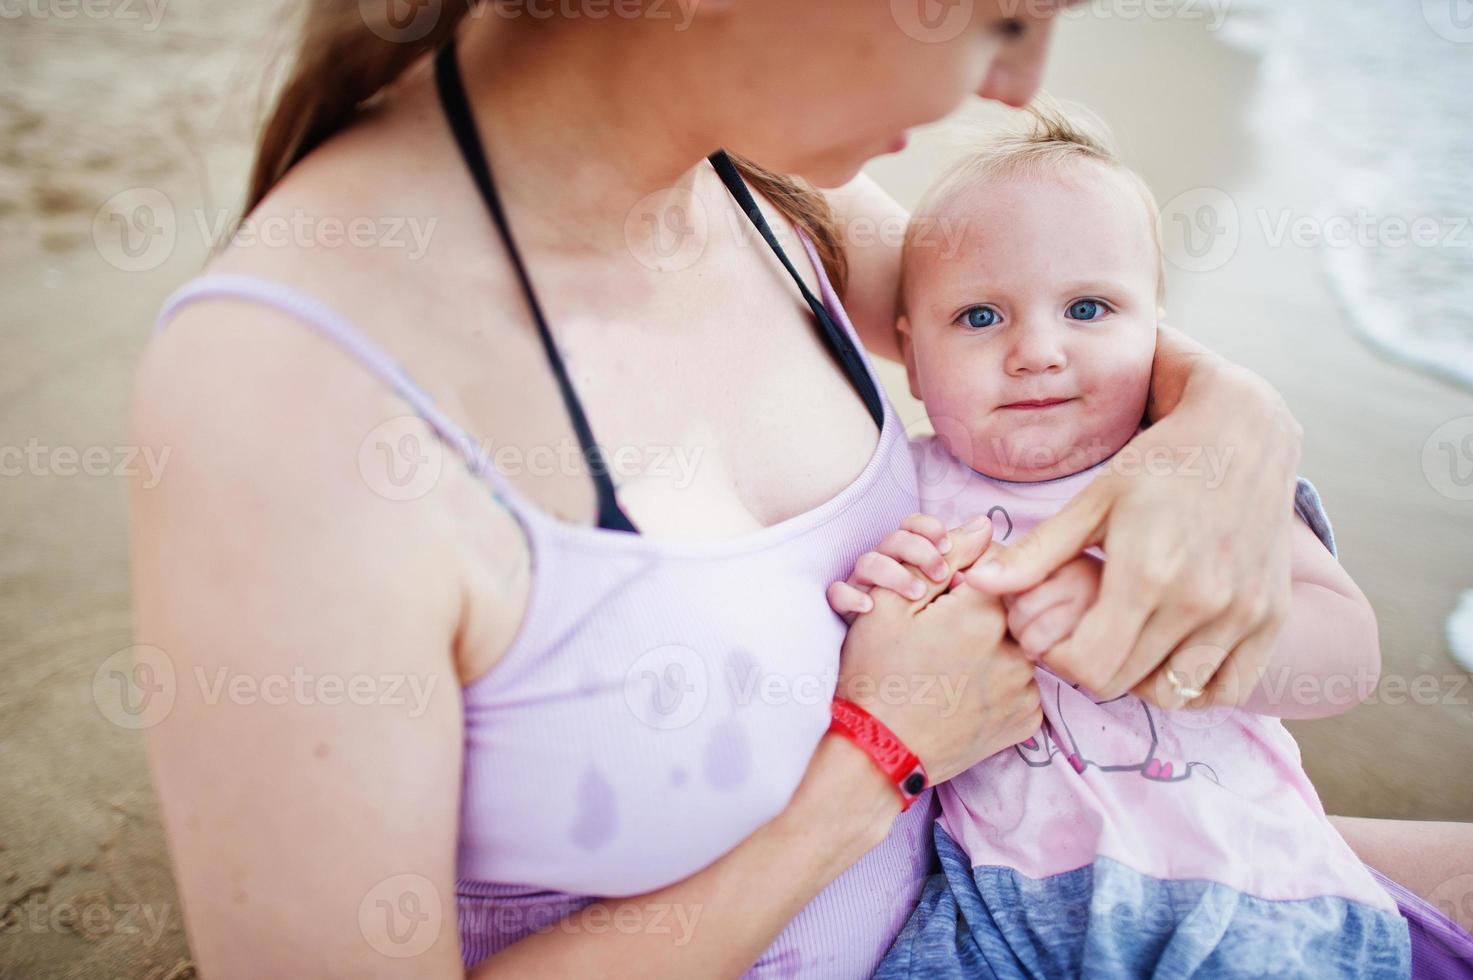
463	125
849	359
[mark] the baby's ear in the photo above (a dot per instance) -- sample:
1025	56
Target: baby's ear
902	329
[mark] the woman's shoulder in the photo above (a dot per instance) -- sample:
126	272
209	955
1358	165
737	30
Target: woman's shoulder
341	249
348	226
240	374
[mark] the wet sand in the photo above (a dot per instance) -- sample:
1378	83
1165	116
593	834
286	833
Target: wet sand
91	108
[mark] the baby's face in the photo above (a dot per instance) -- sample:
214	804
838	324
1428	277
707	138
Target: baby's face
1031	343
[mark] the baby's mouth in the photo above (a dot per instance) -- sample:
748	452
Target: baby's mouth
1037	404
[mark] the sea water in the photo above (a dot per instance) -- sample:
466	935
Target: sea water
1385	88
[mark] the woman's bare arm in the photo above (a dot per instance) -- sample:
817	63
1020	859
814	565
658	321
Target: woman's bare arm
273	579
314	837
1178	358
717	922
1430	858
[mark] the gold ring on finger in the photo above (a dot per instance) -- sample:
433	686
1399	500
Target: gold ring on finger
1181	685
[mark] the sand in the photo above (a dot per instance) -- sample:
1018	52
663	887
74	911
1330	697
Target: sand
93	107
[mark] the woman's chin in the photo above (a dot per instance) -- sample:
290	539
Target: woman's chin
831	175
839	166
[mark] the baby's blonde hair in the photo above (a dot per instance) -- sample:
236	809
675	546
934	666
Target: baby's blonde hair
1044	140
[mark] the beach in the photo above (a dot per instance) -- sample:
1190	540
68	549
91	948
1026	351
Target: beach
102	113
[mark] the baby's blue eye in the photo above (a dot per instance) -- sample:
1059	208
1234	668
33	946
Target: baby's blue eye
1086	309
980	316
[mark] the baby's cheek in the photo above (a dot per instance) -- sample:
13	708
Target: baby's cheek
957	409
1120	388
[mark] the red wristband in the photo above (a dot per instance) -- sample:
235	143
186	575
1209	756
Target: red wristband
899	764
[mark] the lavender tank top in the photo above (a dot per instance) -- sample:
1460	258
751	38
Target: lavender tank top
643	723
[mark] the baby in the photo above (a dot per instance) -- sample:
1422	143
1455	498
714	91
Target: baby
1121	840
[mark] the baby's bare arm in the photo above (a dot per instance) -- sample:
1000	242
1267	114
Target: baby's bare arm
1327	657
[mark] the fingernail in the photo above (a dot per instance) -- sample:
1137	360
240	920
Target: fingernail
977	523
916	590
866	604
987	570
939	572
945	546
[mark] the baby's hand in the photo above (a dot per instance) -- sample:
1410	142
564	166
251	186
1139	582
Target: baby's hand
1048	612
921	541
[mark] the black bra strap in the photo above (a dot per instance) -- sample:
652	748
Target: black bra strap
463	125
838	341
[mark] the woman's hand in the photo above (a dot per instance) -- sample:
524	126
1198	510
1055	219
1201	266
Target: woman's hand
1195	515
939	670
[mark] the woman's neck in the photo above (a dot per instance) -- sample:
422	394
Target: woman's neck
583	119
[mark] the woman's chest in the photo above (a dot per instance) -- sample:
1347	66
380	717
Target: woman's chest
652	713
707	430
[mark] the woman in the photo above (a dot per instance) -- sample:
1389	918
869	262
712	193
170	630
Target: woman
621	723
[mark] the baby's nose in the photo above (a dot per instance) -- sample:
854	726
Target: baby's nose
1035	351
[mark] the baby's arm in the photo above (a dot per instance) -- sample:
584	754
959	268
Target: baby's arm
1327	657
1325	660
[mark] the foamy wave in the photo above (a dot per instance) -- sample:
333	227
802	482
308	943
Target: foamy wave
1460	632
1376	85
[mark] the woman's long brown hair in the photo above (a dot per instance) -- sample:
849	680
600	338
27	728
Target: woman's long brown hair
343	60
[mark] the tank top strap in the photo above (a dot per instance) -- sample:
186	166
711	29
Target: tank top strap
859	367
352	341
844	345
457	109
